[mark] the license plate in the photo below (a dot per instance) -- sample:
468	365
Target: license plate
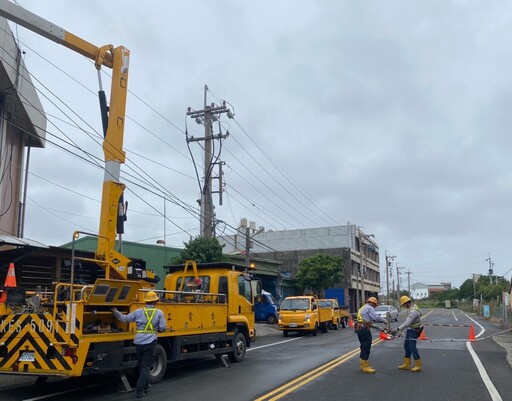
27	356
293	324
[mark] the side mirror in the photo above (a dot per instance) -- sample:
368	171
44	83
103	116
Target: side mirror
314	307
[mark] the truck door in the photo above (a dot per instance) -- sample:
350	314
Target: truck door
245	297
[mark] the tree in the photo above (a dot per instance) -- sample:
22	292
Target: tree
202	250
319	272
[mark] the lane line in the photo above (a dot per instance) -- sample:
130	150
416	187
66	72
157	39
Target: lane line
455	317
271	345
300	381
493	392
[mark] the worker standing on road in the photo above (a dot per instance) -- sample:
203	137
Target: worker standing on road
365	318
414	329
149	321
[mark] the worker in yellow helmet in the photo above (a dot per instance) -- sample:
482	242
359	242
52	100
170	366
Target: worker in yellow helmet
149	321
365	318
414	329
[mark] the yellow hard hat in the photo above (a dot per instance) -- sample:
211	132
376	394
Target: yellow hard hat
150	296
404	299
373	300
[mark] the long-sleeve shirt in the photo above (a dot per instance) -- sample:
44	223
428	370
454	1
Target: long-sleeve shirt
146	333
413	318
368	315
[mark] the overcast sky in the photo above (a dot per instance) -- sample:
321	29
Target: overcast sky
390	115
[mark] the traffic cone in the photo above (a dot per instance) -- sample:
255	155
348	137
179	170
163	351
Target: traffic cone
384	336
10	281
350	322
422	335
471	333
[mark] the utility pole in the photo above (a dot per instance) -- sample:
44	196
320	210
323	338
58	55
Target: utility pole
388	266
491	265
398	284
248	243
205	116
409	281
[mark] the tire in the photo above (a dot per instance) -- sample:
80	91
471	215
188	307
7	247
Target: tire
324	327
271	319
239	348
285	333
157	371
336	325
315	330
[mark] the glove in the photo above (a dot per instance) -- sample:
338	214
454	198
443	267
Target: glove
394	332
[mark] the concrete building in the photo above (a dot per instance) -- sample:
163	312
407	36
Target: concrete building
419	291
359	251
22	127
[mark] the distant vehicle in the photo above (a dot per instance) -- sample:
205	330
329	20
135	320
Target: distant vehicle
265	308
383	310
447	304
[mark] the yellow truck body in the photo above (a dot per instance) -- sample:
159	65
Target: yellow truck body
45	336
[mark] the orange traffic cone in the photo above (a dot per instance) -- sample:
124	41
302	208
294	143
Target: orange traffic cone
350	322
384	336
422	335
471	333
10	281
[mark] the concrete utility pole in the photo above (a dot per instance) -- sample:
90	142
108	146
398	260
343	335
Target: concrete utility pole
248	243
398	284
388	266
491	265
205	116
409	281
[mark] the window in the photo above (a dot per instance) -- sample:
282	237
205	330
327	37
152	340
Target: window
244	288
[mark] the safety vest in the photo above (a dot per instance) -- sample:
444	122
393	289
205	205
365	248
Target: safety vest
149	329
360	316
417	324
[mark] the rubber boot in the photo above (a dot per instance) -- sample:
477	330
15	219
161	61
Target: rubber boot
417	366
365	366
406	365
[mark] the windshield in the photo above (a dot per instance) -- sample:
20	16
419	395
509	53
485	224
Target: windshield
295	304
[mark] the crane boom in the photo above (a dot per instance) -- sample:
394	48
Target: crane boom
115	264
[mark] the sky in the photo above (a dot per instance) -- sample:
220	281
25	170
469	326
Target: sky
393	116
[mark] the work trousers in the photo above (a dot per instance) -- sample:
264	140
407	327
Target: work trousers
365	339
411	338
144	363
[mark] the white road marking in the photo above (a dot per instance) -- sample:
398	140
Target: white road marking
271	345
455	317
493	392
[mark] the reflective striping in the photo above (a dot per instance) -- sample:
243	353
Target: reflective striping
30	332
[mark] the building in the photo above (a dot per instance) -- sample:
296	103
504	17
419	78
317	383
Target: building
419	291
22	127
360	253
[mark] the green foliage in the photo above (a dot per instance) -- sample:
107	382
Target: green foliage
202	250
482	287
319	272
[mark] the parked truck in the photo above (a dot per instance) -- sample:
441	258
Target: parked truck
265	308
302	314
69	329
339	316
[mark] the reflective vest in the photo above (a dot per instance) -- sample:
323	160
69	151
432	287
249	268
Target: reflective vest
417	324
360	316
149	329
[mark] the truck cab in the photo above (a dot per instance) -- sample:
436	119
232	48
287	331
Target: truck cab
302	314
265	308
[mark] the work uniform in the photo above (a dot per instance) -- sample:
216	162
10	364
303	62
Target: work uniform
365	318
149	321
413	325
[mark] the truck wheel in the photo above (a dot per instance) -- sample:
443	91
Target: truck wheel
157	371
344	322
285	333
324	327
239	347
271	319
336	325
315	330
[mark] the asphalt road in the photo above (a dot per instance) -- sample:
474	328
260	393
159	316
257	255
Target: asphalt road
325	367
